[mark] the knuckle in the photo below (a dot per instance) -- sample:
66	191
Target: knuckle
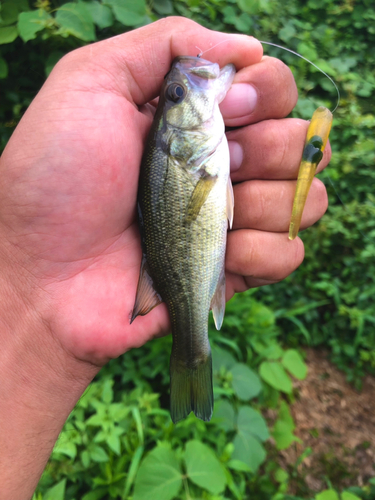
255	199
293	259
288	95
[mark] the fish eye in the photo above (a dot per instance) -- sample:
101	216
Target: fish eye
175	92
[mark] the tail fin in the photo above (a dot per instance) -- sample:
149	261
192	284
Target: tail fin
191	389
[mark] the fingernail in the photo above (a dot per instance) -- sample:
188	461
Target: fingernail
240	100
236	155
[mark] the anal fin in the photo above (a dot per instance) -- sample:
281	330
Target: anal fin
218	301
230	202
147	297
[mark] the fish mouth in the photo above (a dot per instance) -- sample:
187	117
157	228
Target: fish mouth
205	75
197	66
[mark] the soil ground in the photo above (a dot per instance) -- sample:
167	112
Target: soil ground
337	423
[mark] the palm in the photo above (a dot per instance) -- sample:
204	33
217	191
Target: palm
76	214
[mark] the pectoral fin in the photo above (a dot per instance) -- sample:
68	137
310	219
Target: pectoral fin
230	203
147	297
218	301
199	196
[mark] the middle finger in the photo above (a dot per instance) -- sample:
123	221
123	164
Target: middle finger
267	205
271	149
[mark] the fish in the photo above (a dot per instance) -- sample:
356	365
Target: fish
185	200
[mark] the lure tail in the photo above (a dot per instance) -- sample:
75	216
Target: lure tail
191	388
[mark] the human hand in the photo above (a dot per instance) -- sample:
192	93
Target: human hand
70	172
69	243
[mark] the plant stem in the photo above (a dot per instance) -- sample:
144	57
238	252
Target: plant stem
186	486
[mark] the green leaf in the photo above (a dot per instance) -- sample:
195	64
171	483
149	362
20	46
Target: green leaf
159	475
287	32
101	14
251	428
113	442
229	14
249	6
133	470
96	494
293	319
249	450
29	23
57	492
224	415
284	427
138	6
85	458
308	51
251	422
97	454
246	383
281	475
8	34
66	447
163	7
138	423
203	468
283	435
274	374
221	358
327	495
76	20
294	363
3	68
107	392
22	5
346	495
96	420
128	12
273	352
238	465
9	13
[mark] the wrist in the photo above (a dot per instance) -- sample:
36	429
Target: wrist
40	382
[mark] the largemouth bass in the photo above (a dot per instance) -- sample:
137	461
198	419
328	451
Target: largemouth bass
185	198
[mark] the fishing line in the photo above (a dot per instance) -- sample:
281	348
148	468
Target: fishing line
200	54
310	62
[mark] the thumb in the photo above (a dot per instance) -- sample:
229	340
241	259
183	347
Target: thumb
137	61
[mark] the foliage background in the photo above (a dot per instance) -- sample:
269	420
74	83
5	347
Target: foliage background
119	442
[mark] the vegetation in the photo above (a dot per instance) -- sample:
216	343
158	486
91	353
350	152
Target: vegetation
119	442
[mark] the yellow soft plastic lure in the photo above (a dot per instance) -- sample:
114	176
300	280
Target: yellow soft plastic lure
316	140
